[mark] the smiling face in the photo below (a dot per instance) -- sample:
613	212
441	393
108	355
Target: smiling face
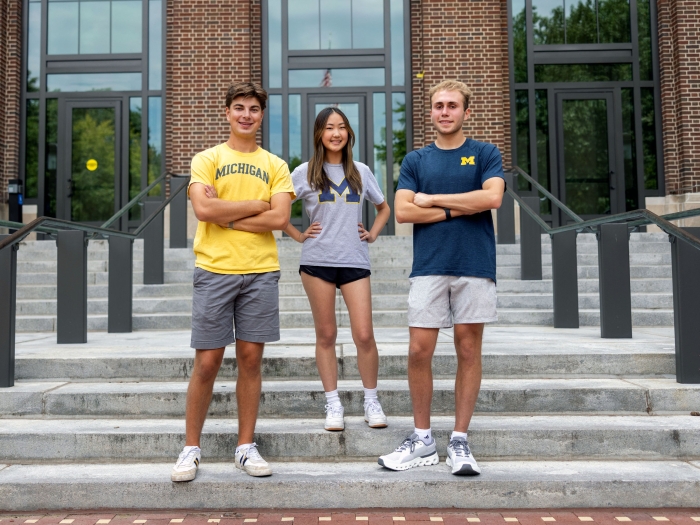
447	112
245	116
335	134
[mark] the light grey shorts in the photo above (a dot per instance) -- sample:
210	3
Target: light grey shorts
248	301
440	301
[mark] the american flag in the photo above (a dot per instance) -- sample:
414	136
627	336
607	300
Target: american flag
327	79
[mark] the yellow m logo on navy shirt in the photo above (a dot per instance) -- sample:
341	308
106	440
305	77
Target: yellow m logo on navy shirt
468	160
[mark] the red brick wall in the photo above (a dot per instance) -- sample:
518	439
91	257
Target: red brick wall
472	46
679	34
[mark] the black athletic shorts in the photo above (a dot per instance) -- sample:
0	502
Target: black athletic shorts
336	275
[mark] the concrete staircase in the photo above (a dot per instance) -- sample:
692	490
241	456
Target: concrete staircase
168	306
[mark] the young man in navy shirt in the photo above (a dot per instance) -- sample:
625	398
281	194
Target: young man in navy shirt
447	190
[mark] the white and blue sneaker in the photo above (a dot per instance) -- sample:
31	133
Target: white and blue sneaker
412	452
460	458
185	468
251	462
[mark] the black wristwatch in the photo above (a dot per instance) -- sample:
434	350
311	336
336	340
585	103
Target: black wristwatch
448	215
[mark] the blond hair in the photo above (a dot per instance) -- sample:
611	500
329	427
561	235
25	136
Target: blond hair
452	85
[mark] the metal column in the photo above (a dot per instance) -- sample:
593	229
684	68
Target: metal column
565	280
8	303
71	303
614	281
505	215
153	248
530	243
178	214
119	301
686	308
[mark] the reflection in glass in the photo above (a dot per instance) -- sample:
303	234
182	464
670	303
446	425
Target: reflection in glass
547	21
93	137
33	47
134	154
398	127
126	26
581	22
155	44
352	111
646	71
155	141
274	122
398	71
368	24
522	137
94	27
299	78
294	157
519	40
31	150
94	82
583	72
303	24
379	125
586	156
614	21
629	153
542	138
274	43
51	163
651	179
63	28
335	30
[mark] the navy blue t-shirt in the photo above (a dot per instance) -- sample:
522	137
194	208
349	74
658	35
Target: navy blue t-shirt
465	245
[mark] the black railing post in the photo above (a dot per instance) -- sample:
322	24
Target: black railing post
71	302
153	248
8	305
178	214
505	215
565	280
685	260
120	294
530	242
614	281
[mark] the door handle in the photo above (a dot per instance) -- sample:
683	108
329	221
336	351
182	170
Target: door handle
611	176
70	187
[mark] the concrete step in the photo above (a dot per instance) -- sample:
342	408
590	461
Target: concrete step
300	399
512	484
491	438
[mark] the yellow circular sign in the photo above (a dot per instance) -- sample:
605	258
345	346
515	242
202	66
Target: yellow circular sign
91	165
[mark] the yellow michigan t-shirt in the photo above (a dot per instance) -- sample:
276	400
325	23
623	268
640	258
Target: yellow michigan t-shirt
238	177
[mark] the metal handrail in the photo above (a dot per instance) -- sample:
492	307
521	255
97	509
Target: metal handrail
133	201
563	207
17	225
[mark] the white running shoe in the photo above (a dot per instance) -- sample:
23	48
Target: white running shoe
412	452
185	468
334	417
251	462
460	458
374	415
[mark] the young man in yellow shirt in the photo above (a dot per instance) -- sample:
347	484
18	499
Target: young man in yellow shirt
236	272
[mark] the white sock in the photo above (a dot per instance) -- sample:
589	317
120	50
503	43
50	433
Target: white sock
243	448
456	434
370	395
425	435
333	399
187	449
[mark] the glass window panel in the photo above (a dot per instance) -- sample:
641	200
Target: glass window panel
367	24
651	178
274	43
519	40
614	21
303	24
629	153
155	141
294	157
155	45
336	77
34	47
379	124
127	18
583	72
62	28
94	82
646	71
135	105
398	139
51	163
522	136
335	30
581	22
31	150
548	22
398	68
542	138
94	27
274	121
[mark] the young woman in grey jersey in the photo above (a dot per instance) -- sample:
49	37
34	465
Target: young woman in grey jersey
335	255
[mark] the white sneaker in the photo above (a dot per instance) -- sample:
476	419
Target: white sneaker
250	461
412	452
334	417
460	458
374	415
185	468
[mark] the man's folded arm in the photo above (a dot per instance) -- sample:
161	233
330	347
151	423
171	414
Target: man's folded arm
276	218
219	211
487	198
407	211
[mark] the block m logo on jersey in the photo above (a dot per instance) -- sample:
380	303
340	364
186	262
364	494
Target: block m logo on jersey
468	160
327	195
